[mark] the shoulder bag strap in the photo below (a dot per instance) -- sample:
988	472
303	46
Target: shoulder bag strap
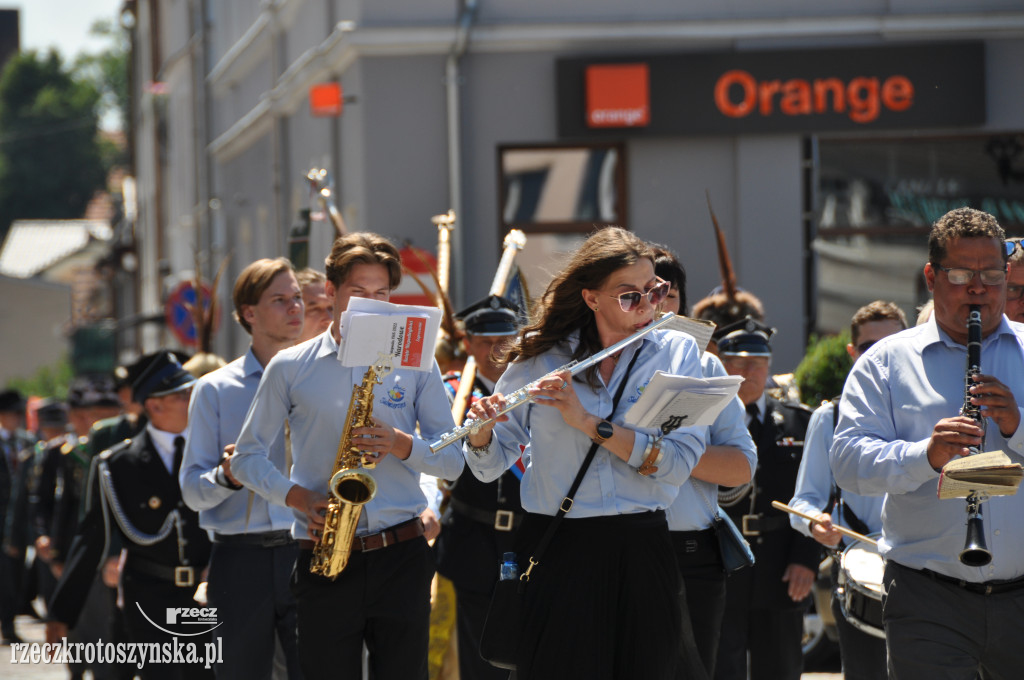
567	501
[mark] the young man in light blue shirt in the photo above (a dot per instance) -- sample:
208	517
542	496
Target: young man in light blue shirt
382	598
253	550
816	494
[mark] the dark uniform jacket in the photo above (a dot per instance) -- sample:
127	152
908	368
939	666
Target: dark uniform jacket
469	548
146	494
10	455
780	447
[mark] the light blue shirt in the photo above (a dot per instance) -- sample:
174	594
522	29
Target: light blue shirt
895	394
556	451
814	482
308	385
220	400
694	507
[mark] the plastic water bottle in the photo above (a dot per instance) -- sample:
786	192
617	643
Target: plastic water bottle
509	567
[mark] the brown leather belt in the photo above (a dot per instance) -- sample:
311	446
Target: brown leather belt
405	531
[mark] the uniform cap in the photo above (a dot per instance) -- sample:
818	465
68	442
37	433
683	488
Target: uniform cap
747	338
94	390
11	400
494	315
162	376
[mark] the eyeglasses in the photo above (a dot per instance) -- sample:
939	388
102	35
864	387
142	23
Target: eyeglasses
631	300
960	277
865	346
1014	292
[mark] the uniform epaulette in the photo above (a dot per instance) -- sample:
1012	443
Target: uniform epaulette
105	455
106	422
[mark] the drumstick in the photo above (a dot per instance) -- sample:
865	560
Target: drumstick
814	520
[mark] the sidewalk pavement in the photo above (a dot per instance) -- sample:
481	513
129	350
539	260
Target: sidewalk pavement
30	630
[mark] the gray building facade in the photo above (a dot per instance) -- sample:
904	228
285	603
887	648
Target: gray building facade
492	109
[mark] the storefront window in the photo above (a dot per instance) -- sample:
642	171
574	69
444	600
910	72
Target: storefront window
875	201
558	195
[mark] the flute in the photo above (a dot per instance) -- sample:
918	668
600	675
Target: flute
522	395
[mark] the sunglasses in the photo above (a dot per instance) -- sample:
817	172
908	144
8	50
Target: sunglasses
865	346
631	300
960	277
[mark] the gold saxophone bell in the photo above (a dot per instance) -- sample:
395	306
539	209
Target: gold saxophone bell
350	488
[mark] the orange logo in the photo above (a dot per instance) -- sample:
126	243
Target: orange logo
618	95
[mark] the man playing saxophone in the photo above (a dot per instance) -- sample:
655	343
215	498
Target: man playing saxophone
899	424
381	598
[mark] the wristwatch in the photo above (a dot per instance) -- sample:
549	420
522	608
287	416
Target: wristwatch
604	431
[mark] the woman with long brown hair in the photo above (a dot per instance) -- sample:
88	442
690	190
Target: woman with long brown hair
602	602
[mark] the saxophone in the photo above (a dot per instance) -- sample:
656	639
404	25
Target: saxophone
350	488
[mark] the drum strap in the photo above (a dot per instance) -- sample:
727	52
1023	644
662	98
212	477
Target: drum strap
836	499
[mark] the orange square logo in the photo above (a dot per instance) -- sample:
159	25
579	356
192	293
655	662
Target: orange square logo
618	95
325	100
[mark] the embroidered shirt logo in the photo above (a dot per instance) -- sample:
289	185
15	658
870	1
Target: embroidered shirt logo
395	397
633	398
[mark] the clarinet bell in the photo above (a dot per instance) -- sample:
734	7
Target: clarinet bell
975	552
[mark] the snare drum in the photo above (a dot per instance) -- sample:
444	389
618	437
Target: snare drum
859	588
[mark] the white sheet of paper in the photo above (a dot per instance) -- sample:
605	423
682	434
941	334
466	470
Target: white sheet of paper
682	401
407	332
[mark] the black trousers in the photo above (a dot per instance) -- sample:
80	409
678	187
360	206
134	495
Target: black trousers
382	599
470	614
939	631
700	566
146	600
772	636
251	588
603	603
11	574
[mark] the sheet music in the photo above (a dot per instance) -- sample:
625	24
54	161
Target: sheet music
992	473
407	332
700	330
671	401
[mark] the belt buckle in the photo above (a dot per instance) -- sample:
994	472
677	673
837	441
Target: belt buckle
184	576
747	520
503	520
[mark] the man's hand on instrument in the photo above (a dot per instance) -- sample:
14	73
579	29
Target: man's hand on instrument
800	580
484	410
557	390
310	503
951	438
823	532
996	402
380	440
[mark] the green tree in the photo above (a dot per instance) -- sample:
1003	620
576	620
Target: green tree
822	372
50	161
108	72
48	381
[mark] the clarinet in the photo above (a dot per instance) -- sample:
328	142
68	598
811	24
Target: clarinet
975	552
522	395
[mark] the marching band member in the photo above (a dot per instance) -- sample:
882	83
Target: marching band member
382	598
597	606
253	550
481	519
863	655
899	424
730	459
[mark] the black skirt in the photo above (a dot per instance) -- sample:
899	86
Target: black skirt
603	603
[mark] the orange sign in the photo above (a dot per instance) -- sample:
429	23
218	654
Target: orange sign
618	96
412	345
325	100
